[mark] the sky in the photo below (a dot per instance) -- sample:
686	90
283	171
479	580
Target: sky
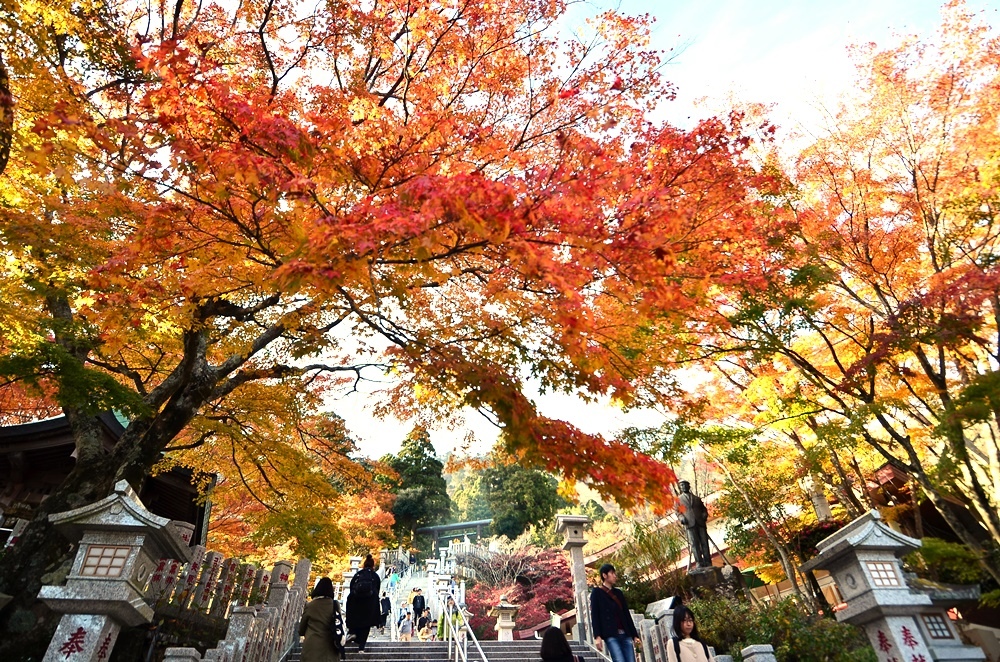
792	54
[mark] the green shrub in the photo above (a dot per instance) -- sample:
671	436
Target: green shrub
795	634
948	562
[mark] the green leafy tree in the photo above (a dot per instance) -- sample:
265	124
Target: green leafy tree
647	561
421	492
468	499
519	497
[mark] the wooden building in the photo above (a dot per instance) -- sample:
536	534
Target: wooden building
36	457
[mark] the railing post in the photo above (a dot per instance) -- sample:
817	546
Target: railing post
759	653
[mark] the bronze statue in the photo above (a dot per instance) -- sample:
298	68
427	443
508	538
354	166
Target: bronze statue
694	517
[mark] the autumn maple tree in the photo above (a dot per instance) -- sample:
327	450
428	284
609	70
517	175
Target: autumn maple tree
208	207
871	324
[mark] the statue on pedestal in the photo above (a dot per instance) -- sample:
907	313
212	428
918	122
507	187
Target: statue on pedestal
694	517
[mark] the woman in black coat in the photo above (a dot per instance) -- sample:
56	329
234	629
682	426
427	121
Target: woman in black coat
363	609
555	648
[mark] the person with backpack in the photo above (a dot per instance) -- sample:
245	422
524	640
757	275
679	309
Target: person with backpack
614	631
555	648
319	619
386	604
363	609
686	646
404	609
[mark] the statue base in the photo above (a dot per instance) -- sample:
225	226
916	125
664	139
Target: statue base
727	580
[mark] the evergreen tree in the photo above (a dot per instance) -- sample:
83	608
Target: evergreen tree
519	497
420	489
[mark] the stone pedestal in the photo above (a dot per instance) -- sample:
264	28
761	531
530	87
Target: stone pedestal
759	653
572	527
505	613
706	579
727	580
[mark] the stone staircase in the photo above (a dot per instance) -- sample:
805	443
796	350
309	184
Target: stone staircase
437	651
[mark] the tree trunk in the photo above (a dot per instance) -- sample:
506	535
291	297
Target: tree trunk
854	507
26	625
918	519
6	116
784	558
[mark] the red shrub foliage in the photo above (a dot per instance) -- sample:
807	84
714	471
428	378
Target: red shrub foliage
543	585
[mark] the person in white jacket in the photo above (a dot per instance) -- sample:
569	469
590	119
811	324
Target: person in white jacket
687	646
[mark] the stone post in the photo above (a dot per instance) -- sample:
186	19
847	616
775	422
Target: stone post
182	655
572	527
813	486
759	653
19	526
505	613
120	542
652	644
348	576
902	624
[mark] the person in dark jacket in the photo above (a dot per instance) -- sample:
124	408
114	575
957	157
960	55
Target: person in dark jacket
419	604
315	625
386	604
614	631
363	609
555	648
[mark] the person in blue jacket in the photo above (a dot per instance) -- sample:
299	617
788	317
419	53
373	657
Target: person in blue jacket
614	631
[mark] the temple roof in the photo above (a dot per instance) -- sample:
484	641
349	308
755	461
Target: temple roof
868	532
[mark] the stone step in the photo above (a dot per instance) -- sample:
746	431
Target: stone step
437	651
496	651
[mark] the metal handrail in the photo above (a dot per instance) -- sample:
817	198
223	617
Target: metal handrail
453	629
404	580
601	654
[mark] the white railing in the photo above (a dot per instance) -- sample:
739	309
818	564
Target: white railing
457	630
263	633
405	580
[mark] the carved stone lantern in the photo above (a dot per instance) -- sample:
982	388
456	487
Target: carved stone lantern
120	543
572	527
505	613
902	624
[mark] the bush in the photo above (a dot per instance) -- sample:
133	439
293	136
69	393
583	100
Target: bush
797	635
948	562
541	583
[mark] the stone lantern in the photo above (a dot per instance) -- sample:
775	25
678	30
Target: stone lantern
902	624
120	543
505	613
572	527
